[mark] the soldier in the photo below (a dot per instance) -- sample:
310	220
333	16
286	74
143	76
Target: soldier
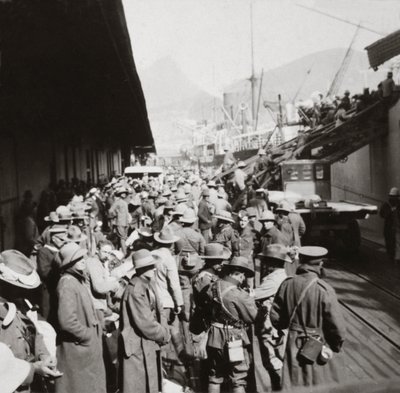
212	187
269	345
225	234
18	279
259	203
246	241
119	212
79	349
190	239
205	215
307	306
283	222
262	162
142	333
270	234
222	203
214	256
232	310
240	186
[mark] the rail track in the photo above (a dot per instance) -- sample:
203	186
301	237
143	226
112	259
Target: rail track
370	323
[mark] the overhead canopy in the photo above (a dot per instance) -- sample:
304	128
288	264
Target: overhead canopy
384	49
67	70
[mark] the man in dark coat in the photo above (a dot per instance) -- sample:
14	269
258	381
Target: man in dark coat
232	310
319	315
225	233
259	203
190	239
205	216
120	213
391	228
142	333
270	234
215	255
79	349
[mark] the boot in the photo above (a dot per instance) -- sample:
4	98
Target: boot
238	389
214	388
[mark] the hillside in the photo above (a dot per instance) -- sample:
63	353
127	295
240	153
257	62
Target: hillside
291	79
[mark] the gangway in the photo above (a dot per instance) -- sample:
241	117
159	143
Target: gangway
330	143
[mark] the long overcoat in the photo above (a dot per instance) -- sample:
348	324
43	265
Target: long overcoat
321	314
141	334
79	349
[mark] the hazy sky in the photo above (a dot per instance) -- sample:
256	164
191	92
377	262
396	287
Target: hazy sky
210	39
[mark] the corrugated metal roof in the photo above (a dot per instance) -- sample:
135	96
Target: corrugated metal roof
384	49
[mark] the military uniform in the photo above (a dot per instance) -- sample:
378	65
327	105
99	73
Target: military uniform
19	333
229	238
142	334
232	309
273	236
190	240
321	315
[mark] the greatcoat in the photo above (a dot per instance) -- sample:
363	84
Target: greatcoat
142	333
321	314
79	347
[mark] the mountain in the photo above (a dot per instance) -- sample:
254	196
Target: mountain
303	76
170	98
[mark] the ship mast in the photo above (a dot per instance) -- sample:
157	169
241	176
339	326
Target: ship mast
253	79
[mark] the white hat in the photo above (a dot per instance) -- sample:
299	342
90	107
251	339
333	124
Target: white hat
13	371
241	164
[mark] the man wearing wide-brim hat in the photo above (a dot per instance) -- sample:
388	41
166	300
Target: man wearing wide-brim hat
80	334
119	213
259	202
270	234
232	311
239	182
205	214
167	279
282	220
145	240
222	203
319	315
18	279
189	265
142	330
212	187
215	255
174	223
225	234
268	347
189	238
47	267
